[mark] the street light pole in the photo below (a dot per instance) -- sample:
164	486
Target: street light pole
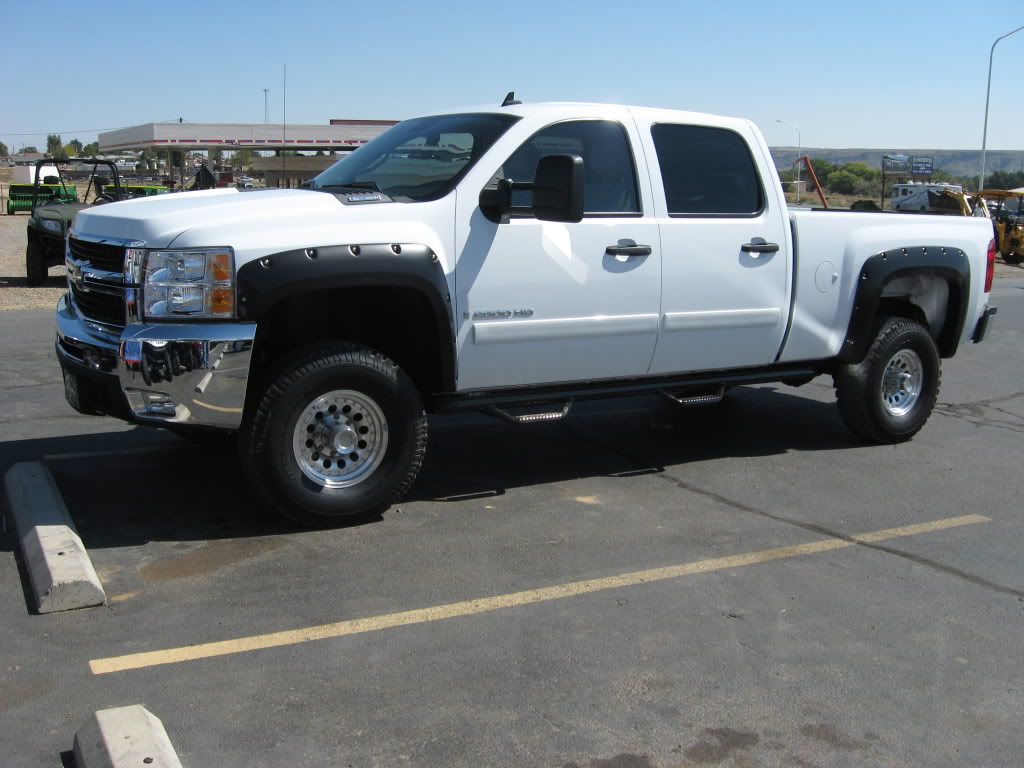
988	90
799	145
266	106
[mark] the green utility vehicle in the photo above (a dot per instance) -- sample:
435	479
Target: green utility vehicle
52	212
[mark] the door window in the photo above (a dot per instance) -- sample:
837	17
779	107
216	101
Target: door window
707	171
609	173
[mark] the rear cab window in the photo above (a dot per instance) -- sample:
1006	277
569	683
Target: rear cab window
707	172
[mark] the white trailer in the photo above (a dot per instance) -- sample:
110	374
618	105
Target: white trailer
913	196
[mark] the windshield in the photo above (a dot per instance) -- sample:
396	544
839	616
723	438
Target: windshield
420	159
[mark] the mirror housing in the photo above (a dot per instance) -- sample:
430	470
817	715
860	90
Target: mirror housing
496	202
558	188
557	192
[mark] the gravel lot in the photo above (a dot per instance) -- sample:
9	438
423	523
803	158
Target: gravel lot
15	294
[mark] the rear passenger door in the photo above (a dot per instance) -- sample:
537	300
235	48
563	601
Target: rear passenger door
725	253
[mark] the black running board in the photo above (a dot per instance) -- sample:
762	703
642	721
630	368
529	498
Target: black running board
511	397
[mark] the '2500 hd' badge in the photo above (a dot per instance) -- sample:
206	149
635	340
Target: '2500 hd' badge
501	313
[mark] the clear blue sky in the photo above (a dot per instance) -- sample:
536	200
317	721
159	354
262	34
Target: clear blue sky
853	74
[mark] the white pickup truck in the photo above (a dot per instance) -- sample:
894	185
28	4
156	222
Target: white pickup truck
512	260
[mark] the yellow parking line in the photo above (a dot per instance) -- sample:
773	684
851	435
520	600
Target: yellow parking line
526	597
216	407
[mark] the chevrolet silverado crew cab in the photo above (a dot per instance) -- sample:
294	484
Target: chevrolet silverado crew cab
511	260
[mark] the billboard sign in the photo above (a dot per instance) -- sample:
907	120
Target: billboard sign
896	165
921	165
907	165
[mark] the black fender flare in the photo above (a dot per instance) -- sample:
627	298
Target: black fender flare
951	264
265	282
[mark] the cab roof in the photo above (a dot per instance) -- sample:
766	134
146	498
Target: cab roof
553	110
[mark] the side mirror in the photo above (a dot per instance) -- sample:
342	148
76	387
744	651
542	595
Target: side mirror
496	202
558	188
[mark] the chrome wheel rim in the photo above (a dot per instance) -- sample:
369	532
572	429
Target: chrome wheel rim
901	382
340	438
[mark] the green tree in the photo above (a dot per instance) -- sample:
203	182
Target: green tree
90	150
54	145
147	160
822	169
68	150
242	159
216	158
77	146
29	150
861	169
842	182
1004	180
3	150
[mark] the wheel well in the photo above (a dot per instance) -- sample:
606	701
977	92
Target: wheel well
930	299
397	321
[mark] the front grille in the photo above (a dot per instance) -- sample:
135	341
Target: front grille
100	255
53	248
102	307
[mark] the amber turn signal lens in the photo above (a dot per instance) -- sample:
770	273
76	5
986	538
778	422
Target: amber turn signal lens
220	266
222	300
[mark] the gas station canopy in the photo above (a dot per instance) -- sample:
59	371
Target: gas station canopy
340	135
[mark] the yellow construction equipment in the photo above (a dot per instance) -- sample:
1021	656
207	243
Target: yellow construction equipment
1008	223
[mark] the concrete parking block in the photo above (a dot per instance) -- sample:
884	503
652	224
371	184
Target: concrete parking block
122	737
59	569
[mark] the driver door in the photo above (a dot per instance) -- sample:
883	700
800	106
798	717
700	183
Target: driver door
541	302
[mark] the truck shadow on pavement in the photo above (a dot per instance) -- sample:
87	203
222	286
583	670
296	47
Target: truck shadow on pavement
487	457
129	487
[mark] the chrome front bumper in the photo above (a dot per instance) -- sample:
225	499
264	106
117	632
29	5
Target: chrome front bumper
191	374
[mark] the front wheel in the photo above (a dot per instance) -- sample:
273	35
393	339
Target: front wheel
35	266
339	434
888	396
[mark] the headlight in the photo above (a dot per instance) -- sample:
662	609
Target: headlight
50	224
189	283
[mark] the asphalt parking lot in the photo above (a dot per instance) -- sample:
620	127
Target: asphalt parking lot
637	587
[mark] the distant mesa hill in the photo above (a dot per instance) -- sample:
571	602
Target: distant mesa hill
959	162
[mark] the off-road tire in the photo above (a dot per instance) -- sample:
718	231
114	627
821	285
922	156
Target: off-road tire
859	387
1015	258
266	440
35	266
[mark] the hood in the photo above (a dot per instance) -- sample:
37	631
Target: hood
63	212
211	217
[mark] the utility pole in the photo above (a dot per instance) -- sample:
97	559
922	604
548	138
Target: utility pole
266	106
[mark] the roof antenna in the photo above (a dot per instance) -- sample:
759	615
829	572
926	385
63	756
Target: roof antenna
510	99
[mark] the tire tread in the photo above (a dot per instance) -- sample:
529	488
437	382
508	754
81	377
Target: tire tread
851	382
254	434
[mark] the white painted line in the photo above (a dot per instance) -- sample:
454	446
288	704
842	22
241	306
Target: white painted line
122	737
59	569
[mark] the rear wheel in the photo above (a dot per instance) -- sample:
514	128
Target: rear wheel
1014	258
338	435
35	264
888	396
